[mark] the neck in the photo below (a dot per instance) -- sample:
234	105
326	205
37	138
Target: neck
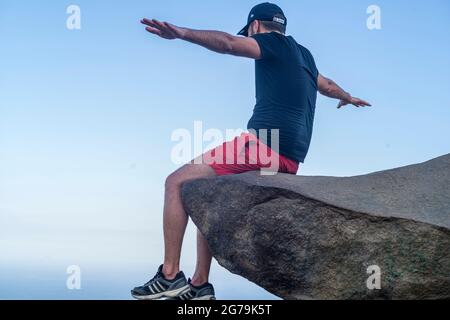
269	31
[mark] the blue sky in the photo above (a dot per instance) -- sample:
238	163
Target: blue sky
86	118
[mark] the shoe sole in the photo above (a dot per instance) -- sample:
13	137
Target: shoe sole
167	294
207	297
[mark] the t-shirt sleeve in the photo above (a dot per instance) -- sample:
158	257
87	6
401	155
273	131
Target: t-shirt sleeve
267	44
311	64
314	67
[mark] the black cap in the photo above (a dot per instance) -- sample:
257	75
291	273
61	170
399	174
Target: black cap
264	12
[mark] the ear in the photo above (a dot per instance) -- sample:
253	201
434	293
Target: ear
254	26
257	26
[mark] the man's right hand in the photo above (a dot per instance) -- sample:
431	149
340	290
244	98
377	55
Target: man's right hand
329	88
163	29
354	101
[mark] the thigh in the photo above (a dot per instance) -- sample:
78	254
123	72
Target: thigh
236	160
189	172
230	157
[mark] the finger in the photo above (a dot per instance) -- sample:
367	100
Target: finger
168	29
356	105
154	24
153	30
363	103
159	24
151	24
148	22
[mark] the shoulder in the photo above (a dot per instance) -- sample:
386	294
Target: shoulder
270	43
303	49
305	52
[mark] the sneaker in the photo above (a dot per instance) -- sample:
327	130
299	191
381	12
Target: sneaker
203	292
160	287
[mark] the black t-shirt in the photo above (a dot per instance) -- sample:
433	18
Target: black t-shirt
286	93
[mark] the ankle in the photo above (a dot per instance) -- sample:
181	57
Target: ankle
198	281
170	272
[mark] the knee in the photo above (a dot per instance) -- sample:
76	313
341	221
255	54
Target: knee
186	173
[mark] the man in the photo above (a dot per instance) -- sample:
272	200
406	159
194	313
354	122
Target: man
287	82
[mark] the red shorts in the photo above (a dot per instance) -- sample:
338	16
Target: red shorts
246	153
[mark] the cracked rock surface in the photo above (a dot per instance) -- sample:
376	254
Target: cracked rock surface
315	237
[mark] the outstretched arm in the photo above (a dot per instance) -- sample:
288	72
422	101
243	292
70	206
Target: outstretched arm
329	88
216	41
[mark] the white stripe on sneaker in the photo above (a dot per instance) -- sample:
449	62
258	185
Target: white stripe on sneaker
155	288
150	288
160	286
187	296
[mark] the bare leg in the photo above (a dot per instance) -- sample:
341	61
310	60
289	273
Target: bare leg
204	257
175	218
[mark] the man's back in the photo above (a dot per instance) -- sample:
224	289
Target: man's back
286	92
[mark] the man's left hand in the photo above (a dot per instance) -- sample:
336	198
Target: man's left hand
354	101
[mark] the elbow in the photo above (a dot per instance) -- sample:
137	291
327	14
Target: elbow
227	49
325	91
